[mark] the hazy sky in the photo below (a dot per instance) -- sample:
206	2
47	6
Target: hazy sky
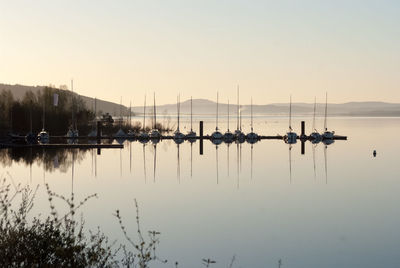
270	48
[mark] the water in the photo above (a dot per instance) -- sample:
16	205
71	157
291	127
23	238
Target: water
244	202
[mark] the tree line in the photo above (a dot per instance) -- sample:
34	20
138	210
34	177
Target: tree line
25	115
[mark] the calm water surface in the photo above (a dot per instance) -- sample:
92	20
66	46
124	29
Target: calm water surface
248	201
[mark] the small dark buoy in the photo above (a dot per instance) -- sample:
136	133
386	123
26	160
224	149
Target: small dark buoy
374	153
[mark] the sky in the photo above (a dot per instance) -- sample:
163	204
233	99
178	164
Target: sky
271	49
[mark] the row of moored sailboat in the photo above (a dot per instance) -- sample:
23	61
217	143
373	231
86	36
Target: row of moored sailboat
316	137
216	137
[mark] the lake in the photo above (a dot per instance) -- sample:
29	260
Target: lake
334	206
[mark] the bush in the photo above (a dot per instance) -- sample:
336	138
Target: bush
61	241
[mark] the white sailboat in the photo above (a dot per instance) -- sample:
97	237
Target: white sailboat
216	136
178	135
155	134
291	137
144	136
43	137
228	136
315	136
252	137
73	130
239	135
191	136
327	134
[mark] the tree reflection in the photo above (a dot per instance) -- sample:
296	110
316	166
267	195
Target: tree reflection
51	159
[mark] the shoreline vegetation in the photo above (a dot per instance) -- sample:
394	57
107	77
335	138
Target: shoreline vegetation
62	240
20	116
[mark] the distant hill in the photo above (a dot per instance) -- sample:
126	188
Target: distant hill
208	107
102	105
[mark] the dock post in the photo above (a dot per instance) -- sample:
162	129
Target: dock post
201	137
303	147
303	129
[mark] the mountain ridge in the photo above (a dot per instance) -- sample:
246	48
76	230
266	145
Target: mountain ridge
208	107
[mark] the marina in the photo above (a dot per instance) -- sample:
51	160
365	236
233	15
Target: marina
20	141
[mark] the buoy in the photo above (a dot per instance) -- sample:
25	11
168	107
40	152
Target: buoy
374	153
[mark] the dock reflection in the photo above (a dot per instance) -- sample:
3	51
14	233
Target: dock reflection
61	160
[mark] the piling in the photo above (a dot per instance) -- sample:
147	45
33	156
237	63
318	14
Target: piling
303	129
201	137
201	129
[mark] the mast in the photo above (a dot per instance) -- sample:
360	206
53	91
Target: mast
155	116
155	162
290	114
144	114
130	113
228	115
95	113
315	108
72	105
44	101
191	113
240	123
237	127
216	128
30	115
290	163
144	163
120	112
251	109
326	164
178	108
326	111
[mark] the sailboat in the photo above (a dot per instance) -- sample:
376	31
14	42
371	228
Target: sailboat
328	141
43	137
73	131
239	135
315	136
178	135
252	137
144	136
291	137
327	134
228	136
191	136
155	134
216	136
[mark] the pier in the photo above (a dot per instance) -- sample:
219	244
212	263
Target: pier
16	141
